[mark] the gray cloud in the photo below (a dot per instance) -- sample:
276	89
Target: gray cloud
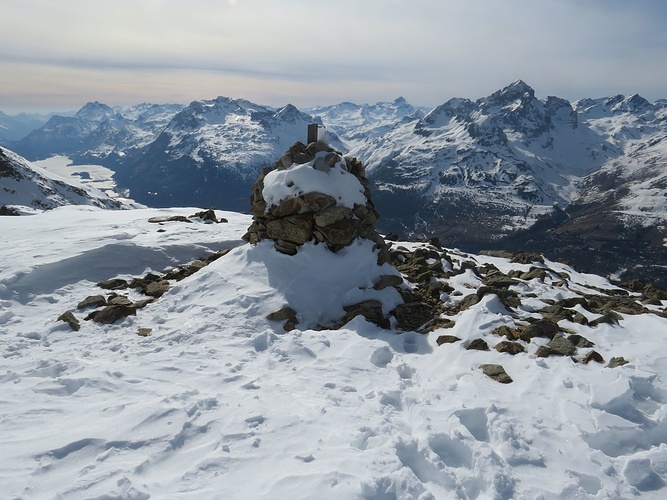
320	52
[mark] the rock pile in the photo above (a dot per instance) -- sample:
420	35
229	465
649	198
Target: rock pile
314	194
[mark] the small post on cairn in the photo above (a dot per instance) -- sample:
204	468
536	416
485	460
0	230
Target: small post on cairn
312	132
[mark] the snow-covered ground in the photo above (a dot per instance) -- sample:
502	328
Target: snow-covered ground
218	402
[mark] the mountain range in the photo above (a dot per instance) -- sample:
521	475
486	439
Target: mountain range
583	181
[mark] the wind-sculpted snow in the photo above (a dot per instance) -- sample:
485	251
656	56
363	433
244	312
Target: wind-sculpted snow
219	402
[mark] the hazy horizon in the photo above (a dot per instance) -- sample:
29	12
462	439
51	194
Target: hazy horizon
58	56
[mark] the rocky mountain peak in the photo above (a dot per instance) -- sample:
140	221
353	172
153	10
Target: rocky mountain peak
518	90
95	111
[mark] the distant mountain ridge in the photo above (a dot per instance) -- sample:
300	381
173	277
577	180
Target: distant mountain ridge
506	171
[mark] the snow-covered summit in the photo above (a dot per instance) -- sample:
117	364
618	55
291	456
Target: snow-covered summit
200	395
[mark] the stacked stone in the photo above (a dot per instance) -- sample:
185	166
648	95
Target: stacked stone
313	216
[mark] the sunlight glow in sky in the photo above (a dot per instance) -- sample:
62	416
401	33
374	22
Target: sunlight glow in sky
59	55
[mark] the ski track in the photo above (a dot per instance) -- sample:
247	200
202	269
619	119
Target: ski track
217	403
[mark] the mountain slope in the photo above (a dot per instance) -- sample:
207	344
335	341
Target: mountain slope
97	133
211	152
25	184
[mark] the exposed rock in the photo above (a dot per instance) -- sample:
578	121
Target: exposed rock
447	339
119	300
111	314
610	317
92	301
207	215
114	284
527	258
616	362
592	356
282	314
506	331
509	347
496	372
468	301
369	309
580	342
543	352
561	346
387	280
157	288
173	218
287	315
542	328
5	210
411	316
69	318
437	324
477	345
144	332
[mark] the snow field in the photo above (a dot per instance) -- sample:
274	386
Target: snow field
218	402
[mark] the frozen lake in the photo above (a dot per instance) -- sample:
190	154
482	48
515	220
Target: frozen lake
95	176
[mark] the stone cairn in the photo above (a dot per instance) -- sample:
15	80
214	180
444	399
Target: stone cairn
313	216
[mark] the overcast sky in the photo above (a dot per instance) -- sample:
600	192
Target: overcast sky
58	55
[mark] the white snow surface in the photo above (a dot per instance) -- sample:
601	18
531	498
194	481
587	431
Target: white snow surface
218	402
303	178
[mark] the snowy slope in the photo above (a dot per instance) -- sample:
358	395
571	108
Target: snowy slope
24	184
212	151
218	402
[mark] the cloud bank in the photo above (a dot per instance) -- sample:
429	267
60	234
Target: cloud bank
56	55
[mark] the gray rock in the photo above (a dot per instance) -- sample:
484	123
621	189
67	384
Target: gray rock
496	372
111	314
447	339
477	345
561	346
412	315
512	348
114	284
616	362
92	301
369	309
69	318
157	288
387	280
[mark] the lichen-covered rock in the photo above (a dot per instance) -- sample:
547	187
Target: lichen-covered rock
447	339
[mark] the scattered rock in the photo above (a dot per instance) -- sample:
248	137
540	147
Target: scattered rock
580	342
437	324
543	352
512	348
412	315
144	332
369	309
527	257
561	346
69	318
92	301
111	314
447	339
388	280
173	218
616	362
497	373
592	356
207	215
542	328
477	345
119	300
286	314
114	284
157	288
